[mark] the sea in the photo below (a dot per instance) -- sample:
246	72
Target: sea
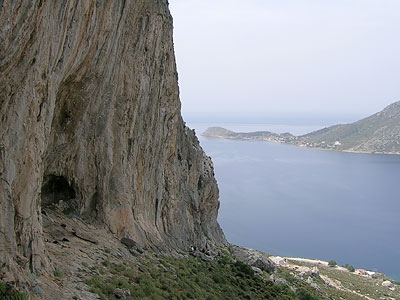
302	202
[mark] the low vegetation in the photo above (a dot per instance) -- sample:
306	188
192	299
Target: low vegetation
165	277
339	283
332	263
10	293
152	276
349	267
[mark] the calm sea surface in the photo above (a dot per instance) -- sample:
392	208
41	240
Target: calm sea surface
294	201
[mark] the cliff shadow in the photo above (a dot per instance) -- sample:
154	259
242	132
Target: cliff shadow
58	193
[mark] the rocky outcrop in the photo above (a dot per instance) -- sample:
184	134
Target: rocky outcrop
90	115
253	258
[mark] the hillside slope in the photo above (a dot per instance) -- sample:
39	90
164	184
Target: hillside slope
379	133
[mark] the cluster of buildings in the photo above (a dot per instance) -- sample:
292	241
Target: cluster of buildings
366	273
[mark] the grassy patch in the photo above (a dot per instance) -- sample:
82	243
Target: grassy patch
58	272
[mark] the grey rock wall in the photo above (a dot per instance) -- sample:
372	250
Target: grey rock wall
90	114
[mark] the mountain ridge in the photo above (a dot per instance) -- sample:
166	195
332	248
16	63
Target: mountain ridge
378	133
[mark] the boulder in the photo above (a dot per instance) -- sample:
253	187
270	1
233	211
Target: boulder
129	243
257	271
315	286
314	271
252	257
121	293
387	283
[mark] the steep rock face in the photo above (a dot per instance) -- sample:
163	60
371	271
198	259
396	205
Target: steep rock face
90	114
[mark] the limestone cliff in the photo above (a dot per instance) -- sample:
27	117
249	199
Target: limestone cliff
90	114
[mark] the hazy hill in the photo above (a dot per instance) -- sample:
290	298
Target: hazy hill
379	133
220	132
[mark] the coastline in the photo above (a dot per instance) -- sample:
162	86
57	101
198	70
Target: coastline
284	139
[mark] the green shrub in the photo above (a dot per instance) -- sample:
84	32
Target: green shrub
94	281
218	278
349	267
284	289
243	268
332	263
106	263
303	294
58	272
37	290
2	288
129	272
118	268
8	294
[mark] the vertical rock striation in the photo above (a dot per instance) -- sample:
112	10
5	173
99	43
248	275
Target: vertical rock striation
90	114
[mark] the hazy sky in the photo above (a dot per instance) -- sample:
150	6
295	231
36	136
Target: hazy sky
287	58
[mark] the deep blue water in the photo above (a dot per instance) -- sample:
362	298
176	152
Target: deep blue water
295	201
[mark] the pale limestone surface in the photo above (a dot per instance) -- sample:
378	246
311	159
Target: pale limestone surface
90	114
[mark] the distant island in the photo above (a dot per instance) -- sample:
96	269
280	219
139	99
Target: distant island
379	133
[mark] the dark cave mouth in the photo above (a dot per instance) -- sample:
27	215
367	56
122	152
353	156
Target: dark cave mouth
56	188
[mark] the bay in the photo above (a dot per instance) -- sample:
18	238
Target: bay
294	201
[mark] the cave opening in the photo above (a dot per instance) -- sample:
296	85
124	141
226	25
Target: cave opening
56	188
